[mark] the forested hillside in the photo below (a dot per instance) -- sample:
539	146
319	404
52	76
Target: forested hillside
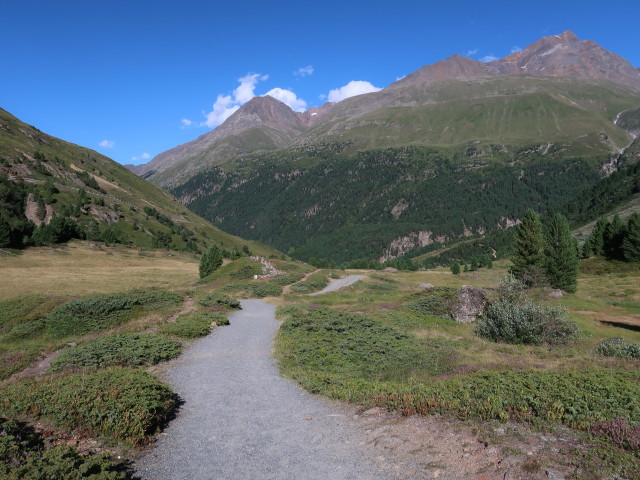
52	191
325	203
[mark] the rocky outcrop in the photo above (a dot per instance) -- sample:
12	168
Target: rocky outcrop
468	304
402	245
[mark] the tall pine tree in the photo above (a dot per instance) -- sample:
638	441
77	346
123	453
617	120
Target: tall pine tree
528	256
210	261
596	241
631	242
613	235
561	251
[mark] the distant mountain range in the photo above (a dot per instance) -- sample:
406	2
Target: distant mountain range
266	123
457	148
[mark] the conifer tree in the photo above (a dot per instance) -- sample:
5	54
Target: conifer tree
528	256
613	236
561	252
596	241
455	268
210	261
631	242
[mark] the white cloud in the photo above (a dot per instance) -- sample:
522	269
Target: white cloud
288	98
515	49
472	52
400	78
351	89
144	156
488	58
226	105
107	144
304	71
186	122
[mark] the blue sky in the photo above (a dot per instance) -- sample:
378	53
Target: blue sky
134	78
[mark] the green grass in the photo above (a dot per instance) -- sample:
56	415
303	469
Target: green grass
124	350
118	403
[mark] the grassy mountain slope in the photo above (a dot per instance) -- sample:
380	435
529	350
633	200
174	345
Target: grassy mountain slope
512	110
53	171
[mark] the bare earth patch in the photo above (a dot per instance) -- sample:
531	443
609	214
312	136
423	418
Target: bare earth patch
436	447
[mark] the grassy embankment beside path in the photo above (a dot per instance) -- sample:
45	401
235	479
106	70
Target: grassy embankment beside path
81	327
381	342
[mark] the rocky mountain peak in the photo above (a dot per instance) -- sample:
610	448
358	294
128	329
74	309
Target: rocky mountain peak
263	111
455	66
565	55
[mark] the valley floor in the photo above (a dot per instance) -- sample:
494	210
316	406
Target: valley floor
241	419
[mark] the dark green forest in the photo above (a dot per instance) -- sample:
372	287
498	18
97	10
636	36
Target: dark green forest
339	206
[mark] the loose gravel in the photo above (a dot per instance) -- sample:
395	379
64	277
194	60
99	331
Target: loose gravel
241	420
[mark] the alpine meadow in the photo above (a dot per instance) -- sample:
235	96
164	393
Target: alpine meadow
436	278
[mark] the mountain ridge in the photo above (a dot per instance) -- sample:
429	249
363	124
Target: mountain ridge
265	123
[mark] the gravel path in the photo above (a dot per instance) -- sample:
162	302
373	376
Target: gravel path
338	284
241	420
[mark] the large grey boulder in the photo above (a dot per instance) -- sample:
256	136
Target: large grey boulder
468	304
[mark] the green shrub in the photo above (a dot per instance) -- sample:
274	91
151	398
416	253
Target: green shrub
217	298
287	279
576	399
193	325
119	403
618	347
25	308
354	346
132	349
513	318
26	330
435	302
526	323
14	360
24	456
103	311
313	283
253	289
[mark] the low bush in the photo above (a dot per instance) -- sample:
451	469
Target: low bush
125	350
193	325
219	299
618	347
253	289
526	323
576	399
287	279
435	302
619	432
119	403
313	283
246	271
14	360
103	311
354	345
24	309
513	318
24	456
